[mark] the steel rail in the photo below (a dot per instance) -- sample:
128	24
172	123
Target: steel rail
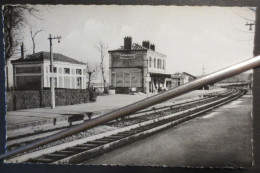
142	104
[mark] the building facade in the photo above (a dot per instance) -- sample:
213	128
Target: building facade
179	79
135	67
33	72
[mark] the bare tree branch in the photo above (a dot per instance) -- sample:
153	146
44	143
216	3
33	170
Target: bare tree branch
102	48
14	22
92	72
33	33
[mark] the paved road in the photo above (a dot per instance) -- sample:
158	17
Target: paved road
221	138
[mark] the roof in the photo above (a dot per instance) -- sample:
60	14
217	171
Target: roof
135	46
184	73
189	75
160	75
175	76
41	56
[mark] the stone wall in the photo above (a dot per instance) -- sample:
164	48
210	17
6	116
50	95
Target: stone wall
65	97
10	100
34	98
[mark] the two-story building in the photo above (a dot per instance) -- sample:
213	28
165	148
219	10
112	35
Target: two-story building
33	72
137	67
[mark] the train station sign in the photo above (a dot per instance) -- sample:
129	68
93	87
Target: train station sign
127	56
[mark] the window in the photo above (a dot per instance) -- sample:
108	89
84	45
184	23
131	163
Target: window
158	63
113	80
78	71
154	62
126	79
79	81
179	82
119	79
150	62
162	64
54	69
66	71
36	69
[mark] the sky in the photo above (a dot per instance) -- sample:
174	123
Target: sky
190	37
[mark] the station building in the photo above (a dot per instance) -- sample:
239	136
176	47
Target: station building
179	79
33	72
135	67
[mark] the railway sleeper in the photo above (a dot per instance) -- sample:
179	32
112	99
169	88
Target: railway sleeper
127	132
114	137
122	134
96	142
55	156
78	147
66	152
106	139
118	136
88	145
135	130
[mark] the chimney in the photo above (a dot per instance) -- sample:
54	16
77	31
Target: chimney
152	46
146	44
128	43
22	51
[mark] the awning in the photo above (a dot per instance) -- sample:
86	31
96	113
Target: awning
162	75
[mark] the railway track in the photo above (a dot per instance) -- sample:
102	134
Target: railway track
80	153
22	140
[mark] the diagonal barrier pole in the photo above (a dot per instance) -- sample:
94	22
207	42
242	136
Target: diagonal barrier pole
208	79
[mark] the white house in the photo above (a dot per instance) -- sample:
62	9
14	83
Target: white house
33	72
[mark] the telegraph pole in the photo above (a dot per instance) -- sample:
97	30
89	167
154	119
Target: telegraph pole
51	71
250	25
147	78
203	69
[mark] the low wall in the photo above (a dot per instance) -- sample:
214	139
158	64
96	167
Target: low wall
35	99
126	90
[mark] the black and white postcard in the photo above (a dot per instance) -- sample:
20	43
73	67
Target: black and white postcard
72	66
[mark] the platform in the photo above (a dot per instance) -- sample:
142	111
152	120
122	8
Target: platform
221	138
104	104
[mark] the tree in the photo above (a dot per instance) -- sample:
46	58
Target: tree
14	22
92	72
33	32
102	48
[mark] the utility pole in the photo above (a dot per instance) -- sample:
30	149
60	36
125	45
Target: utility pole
250	25
147	77
203	69
51	71
203	73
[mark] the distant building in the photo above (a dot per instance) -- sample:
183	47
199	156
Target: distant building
33	72
137	67
178	79
240	79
